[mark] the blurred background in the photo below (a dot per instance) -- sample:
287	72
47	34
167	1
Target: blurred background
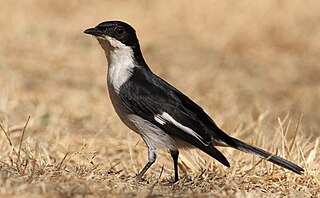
252	65
238	60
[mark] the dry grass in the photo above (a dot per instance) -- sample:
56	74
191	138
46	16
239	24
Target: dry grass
254	66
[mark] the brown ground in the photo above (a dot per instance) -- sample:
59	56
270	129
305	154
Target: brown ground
253	65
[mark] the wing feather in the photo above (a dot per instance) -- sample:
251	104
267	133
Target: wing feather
151	96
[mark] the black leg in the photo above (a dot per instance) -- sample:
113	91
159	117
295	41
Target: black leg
175	155
152	156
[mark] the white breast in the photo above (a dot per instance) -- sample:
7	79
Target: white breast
120	62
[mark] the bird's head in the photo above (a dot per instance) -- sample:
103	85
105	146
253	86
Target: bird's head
114	35
119	41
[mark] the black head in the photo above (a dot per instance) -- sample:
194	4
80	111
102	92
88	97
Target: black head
118	30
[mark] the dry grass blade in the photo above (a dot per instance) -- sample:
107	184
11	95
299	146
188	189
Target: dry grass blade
6	134
21	139
303	159
159	177
261	160
62	161
313	153
295	135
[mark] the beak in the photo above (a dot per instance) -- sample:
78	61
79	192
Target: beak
93	32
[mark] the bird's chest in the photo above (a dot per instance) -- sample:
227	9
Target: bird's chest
118	74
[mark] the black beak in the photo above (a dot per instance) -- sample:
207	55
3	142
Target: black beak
93	32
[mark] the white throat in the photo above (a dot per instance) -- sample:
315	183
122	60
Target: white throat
120	63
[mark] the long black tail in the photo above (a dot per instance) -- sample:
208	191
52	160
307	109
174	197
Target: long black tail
266	155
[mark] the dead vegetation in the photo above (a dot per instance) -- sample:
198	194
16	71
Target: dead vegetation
254	67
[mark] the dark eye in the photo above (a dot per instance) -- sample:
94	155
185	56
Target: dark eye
119	30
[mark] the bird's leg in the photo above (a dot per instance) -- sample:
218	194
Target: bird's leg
152	156
175	155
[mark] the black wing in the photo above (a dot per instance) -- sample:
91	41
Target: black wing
149	95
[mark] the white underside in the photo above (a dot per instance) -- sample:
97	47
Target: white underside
153	136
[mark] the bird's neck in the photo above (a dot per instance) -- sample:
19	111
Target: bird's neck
122	63
138	57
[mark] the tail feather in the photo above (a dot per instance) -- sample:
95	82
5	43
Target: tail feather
215	153
268	156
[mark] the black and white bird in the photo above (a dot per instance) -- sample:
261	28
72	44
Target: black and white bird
162	115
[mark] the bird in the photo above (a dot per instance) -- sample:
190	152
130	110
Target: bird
163	116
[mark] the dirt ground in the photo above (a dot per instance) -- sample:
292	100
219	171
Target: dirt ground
254	66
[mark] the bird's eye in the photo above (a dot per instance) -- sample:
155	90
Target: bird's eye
119	30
